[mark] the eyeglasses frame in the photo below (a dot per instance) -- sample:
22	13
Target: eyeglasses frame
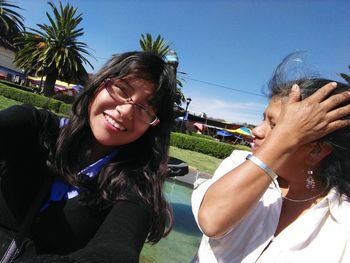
107	84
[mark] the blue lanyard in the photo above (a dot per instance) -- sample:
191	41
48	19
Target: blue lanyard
61	190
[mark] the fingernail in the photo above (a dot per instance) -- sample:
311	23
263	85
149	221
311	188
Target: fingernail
334	84
295	87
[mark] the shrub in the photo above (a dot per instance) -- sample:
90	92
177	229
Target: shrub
64	98
65	109
34	99
15	85
201	136
203	145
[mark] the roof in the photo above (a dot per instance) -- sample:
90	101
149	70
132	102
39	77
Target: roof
209	122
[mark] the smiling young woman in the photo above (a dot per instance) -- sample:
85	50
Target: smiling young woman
106	164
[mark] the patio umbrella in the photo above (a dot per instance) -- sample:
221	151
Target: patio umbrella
224	133
242	131
199	126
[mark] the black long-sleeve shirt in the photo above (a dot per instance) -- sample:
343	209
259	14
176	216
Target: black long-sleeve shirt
66	231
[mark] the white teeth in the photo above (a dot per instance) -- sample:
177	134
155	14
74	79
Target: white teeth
114	124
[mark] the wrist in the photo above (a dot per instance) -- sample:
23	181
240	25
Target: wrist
268	171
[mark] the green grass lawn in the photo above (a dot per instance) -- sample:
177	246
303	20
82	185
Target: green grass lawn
202	162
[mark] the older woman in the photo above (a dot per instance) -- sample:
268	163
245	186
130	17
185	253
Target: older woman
289	198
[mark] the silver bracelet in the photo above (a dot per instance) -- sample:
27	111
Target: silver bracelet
263	166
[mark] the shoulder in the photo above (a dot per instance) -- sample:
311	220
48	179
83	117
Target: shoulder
339	206
25	109
23	112
26	125
26	114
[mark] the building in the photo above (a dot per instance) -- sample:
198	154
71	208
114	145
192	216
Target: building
8	70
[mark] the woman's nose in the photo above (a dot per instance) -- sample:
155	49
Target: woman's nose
126	110
258	131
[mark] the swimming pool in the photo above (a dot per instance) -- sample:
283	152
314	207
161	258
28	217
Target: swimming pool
182	243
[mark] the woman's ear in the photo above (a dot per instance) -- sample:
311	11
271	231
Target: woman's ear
318	151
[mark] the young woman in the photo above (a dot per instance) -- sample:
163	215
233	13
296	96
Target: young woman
289	198
107	165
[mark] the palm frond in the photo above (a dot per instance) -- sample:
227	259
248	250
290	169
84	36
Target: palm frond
56	44
11	24
345	77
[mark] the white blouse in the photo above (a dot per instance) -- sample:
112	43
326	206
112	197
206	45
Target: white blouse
319	235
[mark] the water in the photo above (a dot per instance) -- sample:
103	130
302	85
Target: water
182	243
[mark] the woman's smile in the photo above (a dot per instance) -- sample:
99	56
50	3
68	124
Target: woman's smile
112	122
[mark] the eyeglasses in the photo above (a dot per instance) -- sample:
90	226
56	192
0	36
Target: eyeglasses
119	95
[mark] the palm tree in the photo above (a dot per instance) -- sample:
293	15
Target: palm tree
346	77
11	24
54	50
160	47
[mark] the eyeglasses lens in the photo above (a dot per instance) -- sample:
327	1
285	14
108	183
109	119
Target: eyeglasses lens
119	95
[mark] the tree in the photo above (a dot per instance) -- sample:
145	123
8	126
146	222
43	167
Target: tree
160	47
54	50
11	24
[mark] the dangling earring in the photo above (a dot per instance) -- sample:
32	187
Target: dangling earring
310	183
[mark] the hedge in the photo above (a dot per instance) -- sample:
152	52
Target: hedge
202	145
34	99
201	136
17	86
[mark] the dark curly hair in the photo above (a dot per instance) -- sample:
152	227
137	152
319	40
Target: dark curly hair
141	168
334	169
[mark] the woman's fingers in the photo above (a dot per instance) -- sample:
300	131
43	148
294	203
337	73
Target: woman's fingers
336	125
335	100
320	96
315	116
339	113
294	95
322	93
320	107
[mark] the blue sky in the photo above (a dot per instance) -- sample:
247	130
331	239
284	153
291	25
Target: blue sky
223	46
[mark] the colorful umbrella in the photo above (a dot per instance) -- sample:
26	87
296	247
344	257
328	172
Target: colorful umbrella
242	131
224	133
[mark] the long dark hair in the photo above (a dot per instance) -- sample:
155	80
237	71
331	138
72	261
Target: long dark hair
334	169
140	166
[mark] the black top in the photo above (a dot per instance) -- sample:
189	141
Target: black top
67	231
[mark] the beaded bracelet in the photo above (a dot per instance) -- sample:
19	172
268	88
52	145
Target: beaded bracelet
268	171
